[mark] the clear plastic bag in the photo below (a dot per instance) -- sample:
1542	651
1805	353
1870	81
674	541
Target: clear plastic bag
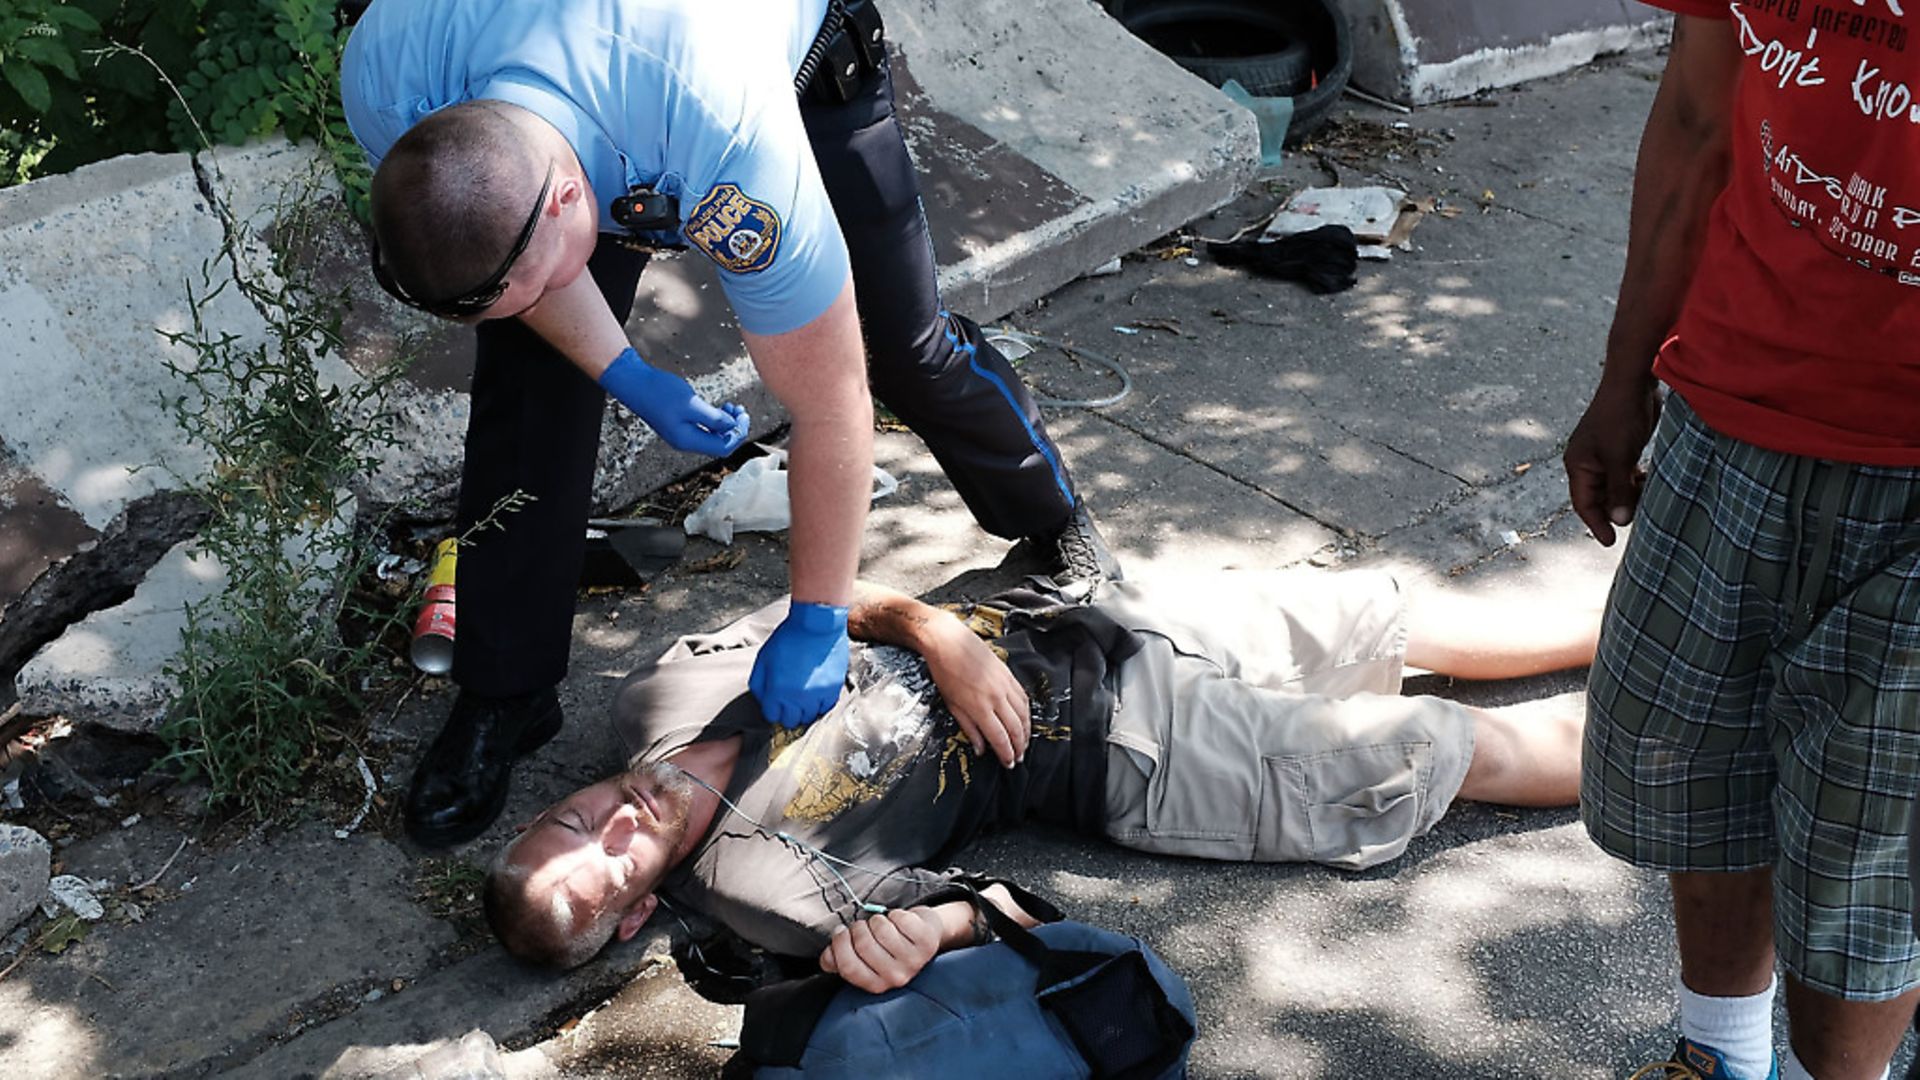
755	499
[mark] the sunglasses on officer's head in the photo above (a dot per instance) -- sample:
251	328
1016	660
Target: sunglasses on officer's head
482	296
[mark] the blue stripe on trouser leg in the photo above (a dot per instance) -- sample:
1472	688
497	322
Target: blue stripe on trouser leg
1040	442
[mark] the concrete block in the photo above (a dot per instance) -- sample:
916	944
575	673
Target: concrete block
1094	142
1423	51
81	311
108	668
26	859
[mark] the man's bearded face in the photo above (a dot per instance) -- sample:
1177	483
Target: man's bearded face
609	844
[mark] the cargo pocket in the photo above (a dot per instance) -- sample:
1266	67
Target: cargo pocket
1199	813
1353	808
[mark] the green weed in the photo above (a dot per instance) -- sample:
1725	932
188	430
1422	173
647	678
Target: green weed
267	687
449	888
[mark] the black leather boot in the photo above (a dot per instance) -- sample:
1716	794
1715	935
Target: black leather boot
461	784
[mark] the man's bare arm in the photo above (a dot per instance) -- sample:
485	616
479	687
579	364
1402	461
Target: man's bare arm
886	951
1682	168
979	689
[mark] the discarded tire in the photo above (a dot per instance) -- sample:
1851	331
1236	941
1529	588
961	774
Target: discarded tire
1274	48
1226	39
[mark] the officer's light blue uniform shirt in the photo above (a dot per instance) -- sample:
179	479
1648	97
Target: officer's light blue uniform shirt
692	96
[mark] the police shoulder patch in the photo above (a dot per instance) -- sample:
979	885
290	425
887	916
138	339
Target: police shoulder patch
739	233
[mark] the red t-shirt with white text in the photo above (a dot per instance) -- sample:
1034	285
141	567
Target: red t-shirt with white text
1801	332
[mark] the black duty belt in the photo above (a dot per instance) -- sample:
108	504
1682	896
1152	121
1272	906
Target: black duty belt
851	44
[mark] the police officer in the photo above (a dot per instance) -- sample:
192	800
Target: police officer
520	146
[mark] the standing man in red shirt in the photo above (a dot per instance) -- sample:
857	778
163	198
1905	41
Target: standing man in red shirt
1754	712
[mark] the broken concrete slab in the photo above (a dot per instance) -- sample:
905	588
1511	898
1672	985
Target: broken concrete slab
26	861
1424	51
110	667
82	310
1144	144
100	571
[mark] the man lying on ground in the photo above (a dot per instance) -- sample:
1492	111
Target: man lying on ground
1243	715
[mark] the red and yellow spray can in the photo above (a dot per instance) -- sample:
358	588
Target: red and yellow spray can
432	650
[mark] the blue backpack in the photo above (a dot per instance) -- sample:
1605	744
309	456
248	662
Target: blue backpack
1062	1000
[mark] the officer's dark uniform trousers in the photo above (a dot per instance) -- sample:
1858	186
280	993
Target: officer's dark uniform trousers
535	424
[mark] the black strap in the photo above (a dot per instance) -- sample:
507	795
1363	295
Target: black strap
817	52
1019	938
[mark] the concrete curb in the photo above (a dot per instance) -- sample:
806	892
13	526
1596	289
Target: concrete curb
490	991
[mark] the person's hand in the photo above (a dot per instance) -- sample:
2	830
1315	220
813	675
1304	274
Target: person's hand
799	672
682	418
981	691
884	952
1604	476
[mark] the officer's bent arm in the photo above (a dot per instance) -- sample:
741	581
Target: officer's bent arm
819	373
576	321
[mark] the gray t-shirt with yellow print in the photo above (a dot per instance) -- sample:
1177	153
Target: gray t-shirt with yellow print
886	781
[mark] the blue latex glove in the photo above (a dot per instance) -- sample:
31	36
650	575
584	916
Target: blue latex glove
799	672
684	419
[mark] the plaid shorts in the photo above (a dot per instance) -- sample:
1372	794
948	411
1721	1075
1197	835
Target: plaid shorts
1756	698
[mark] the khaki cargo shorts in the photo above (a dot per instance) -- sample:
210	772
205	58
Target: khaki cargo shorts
1262	721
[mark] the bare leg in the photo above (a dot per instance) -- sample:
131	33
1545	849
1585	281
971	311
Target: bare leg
1526	755
1845	1040
1477	637
1723	923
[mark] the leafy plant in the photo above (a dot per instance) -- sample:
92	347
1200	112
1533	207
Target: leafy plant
273	65
65	101
265	680
37	36
78	81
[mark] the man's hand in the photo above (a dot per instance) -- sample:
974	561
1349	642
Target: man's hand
1604	475
886	951
799	672
980	690
682	418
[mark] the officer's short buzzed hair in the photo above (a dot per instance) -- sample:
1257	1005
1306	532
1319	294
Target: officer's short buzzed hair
451	196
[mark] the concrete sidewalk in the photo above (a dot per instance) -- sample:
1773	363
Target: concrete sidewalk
1414	421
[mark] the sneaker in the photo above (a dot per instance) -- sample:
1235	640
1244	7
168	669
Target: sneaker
1077	557
1692	1061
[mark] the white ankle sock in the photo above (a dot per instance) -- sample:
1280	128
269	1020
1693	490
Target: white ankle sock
1740	1028
1791	1069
